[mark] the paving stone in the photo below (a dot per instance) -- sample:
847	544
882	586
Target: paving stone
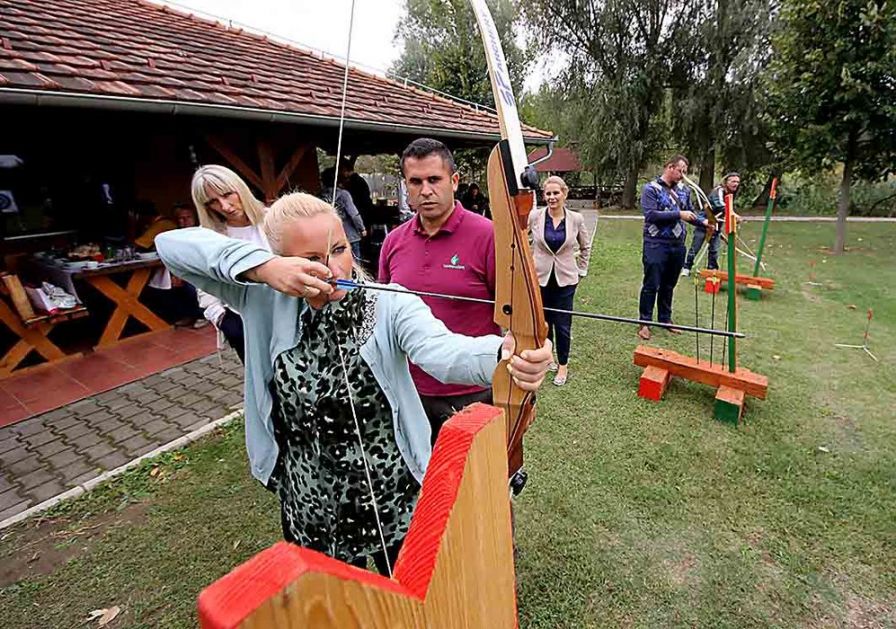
189	399
169	434
56	415
188	419
74	432
40	438
203	407
131	411
175	392
10	441
14	510
145	398
173	412
116	402
64	458
191	381
9	498
98	451
29	427
5	483
35	478
74	471
86	441
167	385
207	387
46	491
24	466
155	426
113	460
84	407
48	449
159	405
122	434
141	419
150	381
13	456
113	424
58	425
83	478
134	388
135	444
97	418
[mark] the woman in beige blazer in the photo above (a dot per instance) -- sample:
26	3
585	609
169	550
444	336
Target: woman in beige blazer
561	247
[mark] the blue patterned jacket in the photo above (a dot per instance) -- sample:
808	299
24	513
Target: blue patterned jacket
662	208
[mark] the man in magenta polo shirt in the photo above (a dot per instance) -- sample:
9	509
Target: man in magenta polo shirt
443	249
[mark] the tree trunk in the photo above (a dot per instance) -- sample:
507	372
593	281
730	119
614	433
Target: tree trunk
843	205
708	170
629	188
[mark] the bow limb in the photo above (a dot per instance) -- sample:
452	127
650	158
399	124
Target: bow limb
511	185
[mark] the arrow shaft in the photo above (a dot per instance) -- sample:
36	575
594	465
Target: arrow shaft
351	285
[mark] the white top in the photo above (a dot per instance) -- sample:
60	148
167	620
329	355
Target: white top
212	307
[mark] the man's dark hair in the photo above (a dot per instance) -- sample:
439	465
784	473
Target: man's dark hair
672	161
424	147
328	176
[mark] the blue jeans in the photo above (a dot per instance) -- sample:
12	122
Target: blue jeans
662	266
697	242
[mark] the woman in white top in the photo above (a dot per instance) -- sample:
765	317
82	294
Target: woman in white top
226	205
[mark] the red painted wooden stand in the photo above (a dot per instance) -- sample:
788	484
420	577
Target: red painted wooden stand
661	364
455	568
755	285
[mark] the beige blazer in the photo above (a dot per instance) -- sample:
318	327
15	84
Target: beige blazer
571	260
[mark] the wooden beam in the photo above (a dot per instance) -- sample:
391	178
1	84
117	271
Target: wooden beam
653	383
266	162
290	167
454	570
713	374
241	167
764	282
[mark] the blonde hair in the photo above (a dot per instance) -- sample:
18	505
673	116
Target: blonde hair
216	179
559	181
291	207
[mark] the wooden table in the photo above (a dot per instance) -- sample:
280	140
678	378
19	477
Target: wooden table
127	299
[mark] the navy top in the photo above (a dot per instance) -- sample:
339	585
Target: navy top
662	206
554	237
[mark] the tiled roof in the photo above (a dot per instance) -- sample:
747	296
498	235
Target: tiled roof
137	50
562	160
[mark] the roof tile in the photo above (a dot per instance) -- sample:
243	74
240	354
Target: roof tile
138	49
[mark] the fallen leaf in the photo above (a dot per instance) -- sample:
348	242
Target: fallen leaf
96	613
852	306
823	449
154	472
109	616
236	544
34	557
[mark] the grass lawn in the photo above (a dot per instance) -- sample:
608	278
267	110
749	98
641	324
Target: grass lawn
636	514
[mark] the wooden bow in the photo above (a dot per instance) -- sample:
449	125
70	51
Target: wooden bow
511	188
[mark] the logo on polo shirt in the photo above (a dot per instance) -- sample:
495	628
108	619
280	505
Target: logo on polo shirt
454	263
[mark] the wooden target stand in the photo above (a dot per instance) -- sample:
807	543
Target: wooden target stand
754	283
455	568
732	383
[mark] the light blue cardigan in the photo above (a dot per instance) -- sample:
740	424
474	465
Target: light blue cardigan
405	328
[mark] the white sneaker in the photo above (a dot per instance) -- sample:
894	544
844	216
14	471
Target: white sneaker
685	272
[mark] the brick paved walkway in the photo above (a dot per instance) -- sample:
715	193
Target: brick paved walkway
43	456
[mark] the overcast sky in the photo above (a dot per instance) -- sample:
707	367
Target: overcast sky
319	24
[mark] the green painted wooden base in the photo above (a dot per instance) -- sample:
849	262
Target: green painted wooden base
754	292
729	404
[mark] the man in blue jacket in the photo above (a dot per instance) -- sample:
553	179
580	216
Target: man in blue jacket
666	204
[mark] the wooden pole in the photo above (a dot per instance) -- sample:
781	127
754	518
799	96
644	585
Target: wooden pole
772	195
732	283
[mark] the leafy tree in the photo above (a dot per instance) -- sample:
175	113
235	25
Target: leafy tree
621	56
715	100
832	97
443	49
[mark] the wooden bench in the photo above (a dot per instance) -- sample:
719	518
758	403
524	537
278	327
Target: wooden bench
31	328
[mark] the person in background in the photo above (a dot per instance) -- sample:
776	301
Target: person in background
357	187
443	249
333	424
151	223
225	204
475	201
345	206
730	185
175	300
561	248
666	204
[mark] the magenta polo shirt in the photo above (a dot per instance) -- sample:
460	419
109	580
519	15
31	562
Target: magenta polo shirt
458	260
